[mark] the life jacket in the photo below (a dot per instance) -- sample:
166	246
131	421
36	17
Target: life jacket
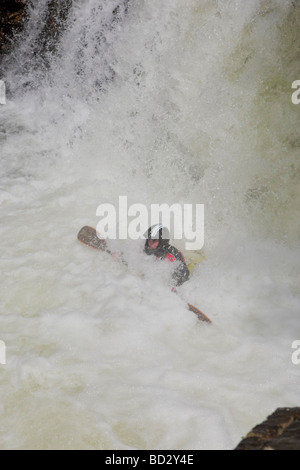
166	251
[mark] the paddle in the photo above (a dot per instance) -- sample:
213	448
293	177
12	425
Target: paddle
88	236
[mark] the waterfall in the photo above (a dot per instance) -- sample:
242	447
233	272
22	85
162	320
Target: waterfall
163	102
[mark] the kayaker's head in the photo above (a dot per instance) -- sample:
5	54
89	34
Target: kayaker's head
157	239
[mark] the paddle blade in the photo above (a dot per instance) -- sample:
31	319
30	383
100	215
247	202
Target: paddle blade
88	236
199	314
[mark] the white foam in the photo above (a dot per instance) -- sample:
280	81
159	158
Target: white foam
101	356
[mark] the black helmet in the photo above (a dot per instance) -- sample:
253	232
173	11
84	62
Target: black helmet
157	232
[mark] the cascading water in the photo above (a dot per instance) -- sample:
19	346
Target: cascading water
161	102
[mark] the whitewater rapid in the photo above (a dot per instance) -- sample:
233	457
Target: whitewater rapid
174	103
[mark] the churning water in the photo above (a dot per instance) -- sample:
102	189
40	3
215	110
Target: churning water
176	102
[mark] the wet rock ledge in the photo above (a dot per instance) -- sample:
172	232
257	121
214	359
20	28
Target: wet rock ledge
280	431
12	16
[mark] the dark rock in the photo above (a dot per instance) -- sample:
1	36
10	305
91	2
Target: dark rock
12	17
55	23
280	431
55	19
